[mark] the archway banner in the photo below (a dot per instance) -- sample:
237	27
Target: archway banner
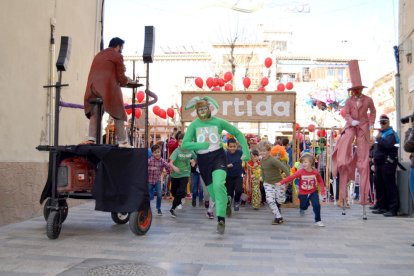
243	106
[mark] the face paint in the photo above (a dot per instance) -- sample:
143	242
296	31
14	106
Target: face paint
203	110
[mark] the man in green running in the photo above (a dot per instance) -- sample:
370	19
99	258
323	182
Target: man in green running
204	137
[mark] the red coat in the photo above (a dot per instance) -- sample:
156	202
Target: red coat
106	77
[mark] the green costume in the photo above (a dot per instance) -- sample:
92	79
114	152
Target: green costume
203	136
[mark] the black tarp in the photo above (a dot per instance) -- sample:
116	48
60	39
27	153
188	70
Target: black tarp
121	175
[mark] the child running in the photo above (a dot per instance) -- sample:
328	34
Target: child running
155	167
181	161
251	181
272	174
309	178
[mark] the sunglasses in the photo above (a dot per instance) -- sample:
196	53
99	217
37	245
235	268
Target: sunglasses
383	122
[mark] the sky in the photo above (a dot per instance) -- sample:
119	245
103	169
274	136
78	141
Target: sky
366	29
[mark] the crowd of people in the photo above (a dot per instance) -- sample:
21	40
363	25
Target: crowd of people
226	176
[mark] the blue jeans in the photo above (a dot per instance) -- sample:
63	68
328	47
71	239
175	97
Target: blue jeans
314	199
196	189
157	188
412	182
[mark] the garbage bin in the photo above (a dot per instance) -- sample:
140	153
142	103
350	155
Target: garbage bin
403	180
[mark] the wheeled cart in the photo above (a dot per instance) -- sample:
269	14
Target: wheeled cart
114	177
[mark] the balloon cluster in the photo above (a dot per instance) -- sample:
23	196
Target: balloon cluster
162	113
217	83
138	111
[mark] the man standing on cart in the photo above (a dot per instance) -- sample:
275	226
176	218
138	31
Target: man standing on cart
106	76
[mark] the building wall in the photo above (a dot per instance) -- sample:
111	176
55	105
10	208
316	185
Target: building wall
406	83
25	107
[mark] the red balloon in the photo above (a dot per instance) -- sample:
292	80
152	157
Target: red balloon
209	82
261	89
221	82
128	111
311	127
246	82
342	112
228	76
156	110
140	96
170	112
323	133
297	126
215	81
163	114
280	87
264	81
228	87
334	134
181	109
289	85
216	88
268	62
138	113
318	133
199	82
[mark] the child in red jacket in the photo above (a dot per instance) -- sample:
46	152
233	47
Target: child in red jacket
309	179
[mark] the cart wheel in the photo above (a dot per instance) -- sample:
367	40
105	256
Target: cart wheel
54	225
140	221
120	218
62	204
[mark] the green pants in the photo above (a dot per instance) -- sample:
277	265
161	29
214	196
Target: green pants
218	192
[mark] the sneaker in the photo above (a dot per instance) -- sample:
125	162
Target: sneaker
379	211
301	212
159	212
277	221
179	207
172	212
374	207
210	215
220	227
320	224
228	210
236	207
390	214
194	202
125	145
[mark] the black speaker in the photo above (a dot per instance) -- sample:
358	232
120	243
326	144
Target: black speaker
149	42
64	53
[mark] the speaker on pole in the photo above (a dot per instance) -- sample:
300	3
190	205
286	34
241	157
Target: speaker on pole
64	53
149	42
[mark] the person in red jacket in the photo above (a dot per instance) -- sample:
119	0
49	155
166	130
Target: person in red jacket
106	76
309	180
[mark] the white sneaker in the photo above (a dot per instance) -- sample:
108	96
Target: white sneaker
320	224
179	207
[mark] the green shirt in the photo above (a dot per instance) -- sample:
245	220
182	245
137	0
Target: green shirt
272	169
181	159
204	136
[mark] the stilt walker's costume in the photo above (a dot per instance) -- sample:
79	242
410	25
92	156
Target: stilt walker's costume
360	117
203	135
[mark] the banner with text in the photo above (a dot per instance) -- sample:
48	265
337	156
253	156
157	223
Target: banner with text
243	106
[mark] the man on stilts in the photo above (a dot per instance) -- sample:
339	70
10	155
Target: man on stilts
360	116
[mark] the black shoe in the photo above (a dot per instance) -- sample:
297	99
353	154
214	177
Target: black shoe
379	211
194	202
375	207
172	212
390	214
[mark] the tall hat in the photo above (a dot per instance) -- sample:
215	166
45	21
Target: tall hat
353	67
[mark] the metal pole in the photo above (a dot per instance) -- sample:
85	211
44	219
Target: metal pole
146	107
397	96
131	130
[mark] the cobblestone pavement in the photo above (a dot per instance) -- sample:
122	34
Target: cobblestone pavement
91	244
